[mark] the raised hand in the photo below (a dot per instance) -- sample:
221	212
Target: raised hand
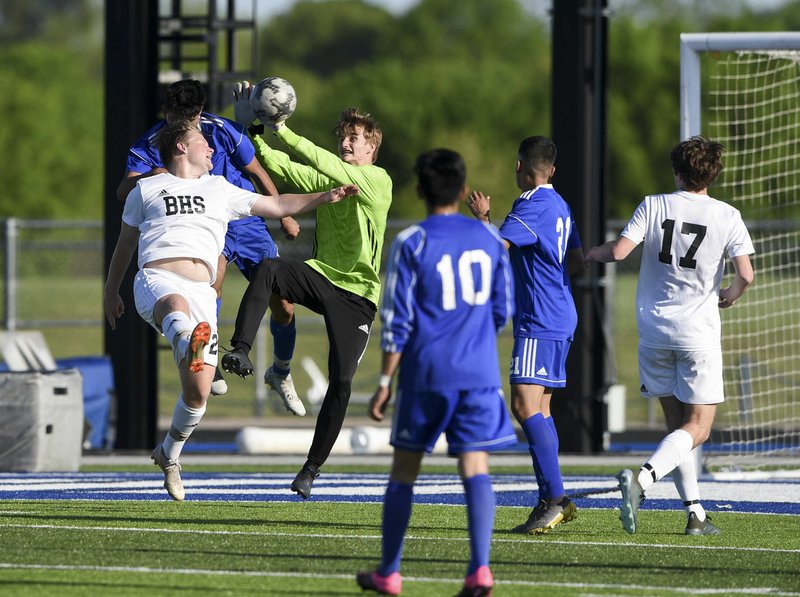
242	110
479	204
343	191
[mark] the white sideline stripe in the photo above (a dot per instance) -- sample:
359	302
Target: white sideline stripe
713	491
420	579
378	537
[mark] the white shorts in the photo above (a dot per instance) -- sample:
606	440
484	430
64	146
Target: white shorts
692	376
152	284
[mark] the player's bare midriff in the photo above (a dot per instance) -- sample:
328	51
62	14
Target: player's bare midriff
192	269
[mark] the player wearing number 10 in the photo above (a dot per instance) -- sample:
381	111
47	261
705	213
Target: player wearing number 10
447	294
686	236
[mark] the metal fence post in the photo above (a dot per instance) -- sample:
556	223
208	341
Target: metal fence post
11	275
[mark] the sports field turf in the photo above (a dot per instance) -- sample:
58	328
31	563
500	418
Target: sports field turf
116	533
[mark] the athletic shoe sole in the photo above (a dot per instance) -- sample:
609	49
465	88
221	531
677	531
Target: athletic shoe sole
629	511
201	335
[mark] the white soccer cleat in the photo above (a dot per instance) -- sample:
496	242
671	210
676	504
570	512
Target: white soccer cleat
219	386
172	474
632	496
284	387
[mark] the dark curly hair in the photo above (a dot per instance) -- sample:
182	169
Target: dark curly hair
698	161
184	99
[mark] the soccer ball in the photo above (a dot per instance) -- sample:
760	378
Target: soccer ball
273	100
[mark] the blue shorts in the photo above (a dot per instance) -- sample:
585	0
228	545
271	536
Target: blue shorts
472	420
539	362
248	242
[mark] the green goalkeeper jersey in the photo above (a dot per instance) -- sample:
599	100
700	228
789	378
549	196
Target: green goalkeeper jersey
349	235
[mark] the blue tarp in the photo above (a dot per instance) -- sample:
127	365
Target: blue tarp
98	396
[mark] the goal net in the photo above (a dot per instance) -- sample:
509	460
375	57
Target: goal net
743	90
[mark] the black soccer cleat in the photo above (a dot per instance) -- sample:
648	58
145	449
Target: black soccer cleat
237	361
697	527
304	480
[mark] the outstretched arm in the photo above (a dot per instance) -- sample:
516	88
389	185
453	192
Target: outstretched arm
112	301
615	250
265	185
292	204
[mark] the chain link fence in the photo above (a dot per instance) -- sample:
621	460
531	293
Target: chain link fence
53	282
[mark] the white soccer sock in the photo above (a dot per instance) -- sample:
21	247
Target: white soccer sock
175	324
685	478
672	450
177	328
184	420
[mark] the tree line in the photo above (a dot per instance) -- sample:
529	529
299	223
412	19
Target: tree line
471	75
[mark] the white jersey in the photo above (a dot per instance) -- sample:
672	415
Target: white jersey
185	217
686	239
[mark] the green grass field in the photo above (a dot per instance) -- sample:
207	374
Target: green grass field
314	548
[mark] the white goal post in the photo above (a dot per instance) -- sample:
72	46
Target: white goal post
743	90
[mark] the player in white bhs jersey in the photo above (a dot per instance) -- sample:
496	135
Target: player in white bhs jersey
179	220
687	235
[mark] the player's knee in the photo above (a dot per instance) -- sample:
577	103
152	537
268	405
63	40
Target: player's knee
282	310
196	395
341	387
701	435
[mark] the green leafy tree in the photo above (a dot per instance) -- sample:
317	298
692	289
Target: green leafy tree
324	38
470	75
52	142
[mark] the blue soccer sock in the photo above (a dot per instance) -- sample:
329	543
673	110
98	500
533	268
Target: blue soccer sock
552	424
396	514
545	452
480	519
284	337
527	428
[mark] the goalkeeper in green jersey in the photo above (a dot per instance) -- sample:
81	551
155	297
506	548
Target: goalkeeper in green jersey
340	281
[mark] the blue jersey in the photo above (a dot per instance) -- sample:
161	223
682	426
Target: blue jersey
541	230
233	150
448	291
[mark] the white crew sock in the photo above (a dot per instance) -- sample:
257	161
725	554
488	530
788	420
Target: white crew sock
184	420
673	449
685	478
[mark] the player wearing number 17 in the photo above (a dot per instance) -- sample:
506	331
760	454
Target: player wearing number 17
687	235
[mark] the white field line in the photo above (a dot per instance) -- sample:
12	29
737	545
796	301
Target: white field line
646	589
723	493
336	536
